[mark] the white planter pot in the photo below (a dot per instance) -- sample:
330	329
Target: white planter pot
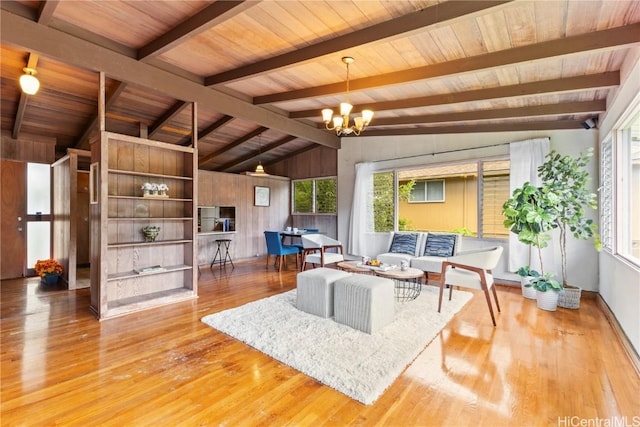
547	300
527	292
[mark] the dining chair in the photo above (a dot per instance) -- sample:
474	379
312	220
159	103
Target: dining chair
275	247
472	269
320	249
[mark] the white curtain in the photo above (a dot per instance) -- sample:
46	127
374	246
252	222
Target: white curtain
361	220
525	158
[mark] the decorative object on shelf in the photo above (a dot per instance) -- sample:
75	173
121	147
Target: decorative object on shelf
341	122
29	83
163	189
49	270
151	189
151	232
261	196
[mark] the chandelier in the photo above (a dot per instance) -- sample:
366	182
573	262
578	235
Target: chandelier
340	123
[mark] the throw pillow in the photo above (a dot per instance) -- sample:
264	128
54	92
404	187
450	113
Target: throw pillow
404	243
440	245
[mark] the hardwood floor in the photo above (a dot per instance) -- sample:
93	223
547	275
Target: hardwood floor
164	367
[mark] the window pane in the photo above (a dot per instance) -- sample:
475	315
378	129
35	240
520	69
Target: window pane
303	196
418	192
435	191
326	195
383	201
495	190
38	241
38	188
629	180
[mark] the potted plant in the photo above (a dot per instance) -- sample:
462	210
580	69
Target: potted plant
567	178
526	274
531	213
49	270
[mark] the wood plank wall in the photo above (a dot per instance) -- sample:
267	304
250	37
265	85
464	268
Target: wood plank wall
28	149
223	189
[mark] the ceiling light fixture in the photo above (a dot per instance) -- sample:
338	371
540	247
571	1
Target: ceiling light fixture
259	169
28	81
341	122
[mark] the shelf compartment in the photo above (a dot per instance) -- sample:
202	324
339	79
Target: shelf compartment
149	174
144	302
155	243
132	274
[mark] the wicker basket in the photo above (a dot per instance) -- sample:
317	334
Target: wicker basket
570	297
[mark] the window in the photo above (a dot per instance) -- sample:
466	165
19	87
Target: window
427	191
38	212
628	184
620	189
315	196
473	204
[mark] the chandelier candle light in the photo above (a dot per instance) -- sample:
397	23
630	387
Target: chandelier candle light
341	122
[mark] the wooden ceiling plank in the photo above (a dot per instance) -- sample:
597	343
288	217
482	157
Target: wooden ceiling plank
166	117
208	130
439	13
205	19
562	85
232	145
26	34
252	155
498	113
614	38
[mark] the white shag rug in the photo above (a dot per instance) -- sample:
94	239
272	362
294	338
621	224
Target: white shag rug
360	365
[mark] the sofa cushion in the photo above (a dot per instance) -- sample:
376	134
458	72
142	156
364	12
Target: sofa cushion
442	245
404	243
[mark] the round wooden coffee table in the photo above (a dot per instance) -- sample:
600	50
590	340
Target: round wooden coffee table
408	283
352	267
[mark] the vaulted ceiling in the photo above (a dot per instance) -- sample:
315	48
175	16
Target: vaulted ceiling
260	72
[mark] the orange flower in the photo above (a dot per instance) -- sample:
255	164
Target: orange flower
45	267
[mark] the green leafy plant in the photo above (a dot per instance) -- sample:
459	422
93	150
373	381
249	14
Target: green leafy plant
540	282
566	178
531	213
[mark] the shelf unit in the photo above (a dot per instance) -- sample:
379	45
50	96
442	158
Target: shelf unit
119	213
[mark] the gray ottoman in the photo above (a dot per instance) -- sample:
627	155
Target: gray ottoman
364	302
315	290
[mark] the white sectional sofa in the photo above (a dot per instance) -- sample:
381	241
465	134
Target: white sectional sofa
425	251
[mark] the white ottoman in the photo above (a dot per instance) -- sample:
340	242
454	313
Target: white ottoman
315	290
364	302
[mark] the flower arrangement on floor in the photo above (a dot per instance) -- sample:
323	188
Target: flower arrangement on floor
49	270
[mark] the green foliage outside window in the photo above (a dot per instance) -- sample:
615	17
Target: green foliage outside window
324	191
383	201
326	195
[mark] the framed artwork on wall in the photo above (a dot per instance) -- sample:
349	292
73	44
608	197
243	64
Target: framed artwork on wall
261	196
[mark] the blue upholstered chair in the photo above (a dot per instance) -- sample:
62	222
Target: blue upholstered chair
275	247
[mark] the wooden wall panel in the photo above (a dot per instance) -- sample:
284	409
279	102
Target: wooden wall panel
28	149
224	189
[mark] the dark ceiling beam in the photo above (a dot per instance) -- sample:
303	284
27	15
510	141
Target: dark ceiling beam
167	117
498	113
246	158
25	34
47	8
111	97
24	100
232	145
403	25
562	85
202	21
208	130
477	128
614	38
